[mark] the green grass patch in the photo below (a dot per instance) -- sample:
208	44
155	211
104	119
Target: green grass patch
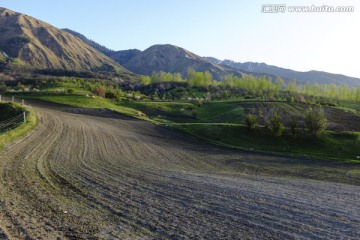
9	110
63	87
186	112
332	145
20	131
221	112
88	102
164	111
351	105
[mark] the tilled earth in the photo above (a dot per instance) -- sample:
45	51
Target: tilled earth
92	174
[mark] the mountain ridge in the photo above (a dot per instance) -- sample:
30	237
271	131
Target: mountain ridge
174	59
33	44
90	42
124	58
312	76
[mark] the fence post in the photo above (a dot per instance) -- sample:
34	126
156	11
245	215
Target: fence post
22	102
12	99
0	98
24	114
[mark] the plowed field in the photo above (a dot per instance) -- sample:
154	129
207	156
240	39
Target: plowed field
93	174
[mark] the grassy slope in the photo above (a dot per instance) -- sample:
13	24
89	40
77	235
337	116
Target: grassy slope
9	110
338	150
87	102
222	123
332	145
63	87
350	105
22	129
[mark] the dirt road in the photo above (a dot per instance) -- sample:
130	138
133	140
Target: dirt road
92	174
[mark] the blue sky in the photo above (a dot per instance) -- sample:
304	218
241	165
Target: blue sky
226	29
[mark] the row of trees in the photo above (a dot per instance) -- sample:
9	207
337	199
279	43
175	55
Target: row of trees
313	120
257	84
168	86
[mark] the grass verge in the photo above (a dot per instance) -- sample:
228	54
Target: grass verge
20	131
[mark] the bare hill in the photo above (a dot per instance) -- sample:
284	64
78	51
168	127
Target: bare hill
34	44
169	58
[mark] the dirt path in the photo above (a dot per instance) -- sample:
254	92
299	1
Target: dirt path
91	174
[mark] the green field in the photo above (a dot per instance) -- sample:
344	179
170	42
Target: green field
223	123
62	87
86	102
331	145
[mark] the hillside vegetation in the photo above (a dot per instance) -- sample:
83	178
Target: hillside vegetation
220	122
311	77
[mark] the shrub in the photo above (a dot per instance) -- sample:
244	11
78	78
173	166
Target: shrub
277	128
100	91
251	121
315	121
194	114
70	91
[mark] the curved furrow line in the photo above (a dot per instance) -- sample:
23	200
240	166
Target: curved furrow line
79	175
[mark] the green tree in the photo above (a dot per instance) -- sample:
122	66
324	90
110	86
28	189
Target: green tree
279	83
277	128
357	98
251	121
293	122
146	80
155	78
70	91
315	121
291	86
100	91
177	77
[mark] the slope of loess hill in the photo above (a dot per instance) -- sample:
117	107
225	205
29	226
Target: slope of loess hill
35	44
169	58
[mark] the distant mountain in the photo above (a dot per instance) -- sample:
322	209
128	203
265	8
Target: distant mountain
90	42
301	77
33	44
169	58
122	57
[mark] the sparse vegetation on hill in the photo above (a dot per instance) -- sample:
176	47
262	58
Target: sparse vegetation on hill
33	44
169	58
90	42
311	77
